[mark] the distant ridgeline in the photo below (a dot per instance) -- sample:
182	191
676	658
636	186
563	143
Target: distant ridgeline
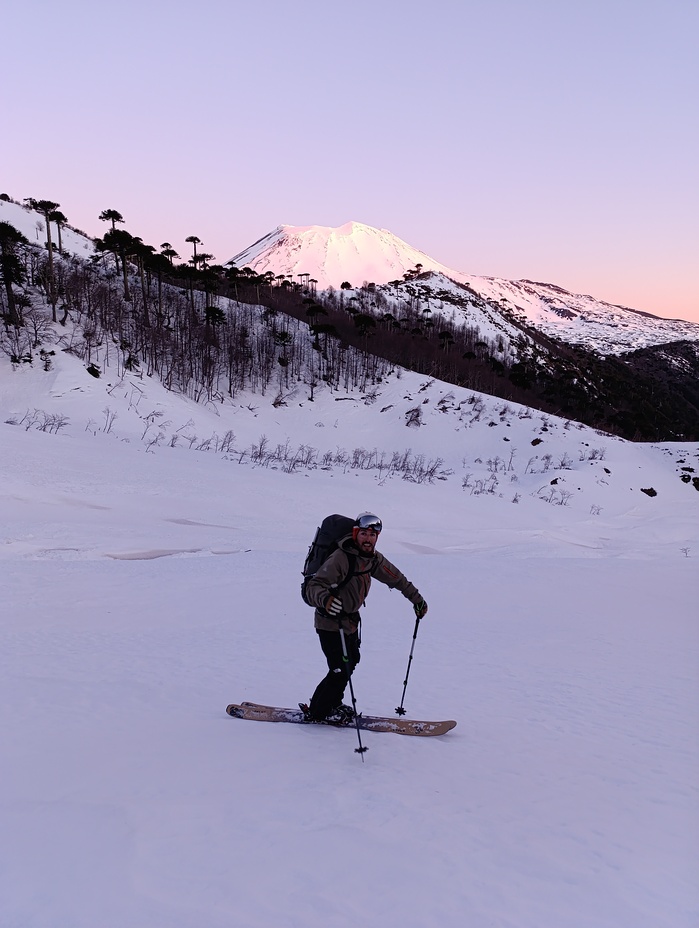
210	331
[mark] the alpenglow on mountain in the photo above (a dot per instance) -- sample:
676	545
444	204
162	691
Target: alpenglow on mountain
359	253
354	252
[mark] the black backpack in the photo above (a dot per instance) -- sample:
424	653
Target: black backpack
330	531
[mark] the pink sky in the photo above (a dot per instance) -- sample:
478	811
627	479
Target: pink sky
547	140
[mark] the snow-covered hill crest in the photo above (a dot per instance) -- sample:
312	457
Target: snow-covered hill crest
32	225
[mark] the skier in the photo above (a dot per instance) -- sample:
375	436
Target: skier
337	590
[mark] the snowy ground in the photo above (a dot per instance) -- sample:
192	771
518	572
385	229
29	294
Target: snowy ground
144	590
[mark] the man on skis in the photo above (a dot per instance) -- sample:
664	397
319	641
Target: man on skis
337	590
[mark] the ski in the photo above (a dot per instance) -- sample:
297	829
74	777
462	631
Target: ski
400	726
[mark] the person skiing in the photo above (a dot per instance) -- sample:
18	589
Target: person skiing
337	590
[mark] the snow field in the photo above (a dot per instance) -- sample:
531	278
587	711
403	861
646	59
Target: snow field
144	590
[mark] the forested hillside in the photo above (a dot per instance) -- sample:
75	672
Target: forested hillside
210	331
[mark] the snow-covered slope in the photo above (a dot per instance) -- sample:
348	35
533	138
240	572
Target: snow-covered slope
147	581
408	427
581	319
33	226
358	253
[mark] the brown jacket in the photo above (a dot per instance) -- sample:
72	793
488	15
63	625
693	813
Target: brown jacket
333	572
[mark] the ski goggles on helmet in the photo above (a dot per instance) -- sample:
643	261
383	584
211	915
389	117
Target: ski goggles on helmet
368	520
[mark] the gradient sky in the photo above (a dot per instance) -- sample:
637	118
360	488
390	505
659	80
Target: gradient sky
547	139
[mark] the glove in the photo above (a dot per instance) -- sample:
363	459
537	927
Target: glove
420	608
333	606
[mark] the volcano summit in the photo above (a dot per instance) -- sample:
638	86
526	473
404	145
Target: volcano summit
353	252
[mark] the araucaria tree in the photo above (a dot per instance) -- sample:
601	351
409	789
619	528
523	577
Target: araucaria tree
60	219
111	215
121	244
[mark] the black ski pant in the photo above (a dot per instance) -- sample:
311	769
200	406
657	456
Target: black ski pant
329	692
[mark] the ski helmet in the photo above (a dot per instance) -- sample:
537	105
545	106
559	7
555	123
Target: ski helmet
367	520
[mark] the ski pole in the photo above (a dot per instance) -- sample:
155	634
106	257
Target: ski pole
361	749
399	709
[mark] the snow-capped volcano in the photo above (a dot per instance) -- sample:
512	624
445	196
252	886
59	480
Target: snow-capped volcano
353	252
358	253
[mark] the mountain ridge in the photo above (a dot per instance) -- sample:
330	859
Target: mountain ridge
356	253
